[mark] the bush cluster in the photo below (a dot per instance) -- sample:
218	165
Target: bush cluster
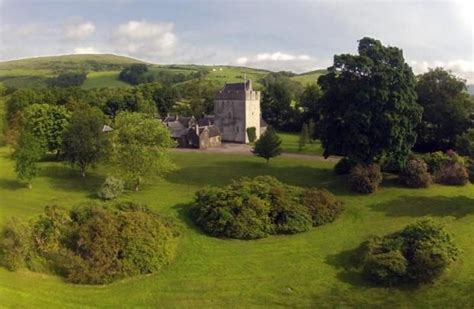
111	188
415	174
452	173
365	178
417	254
90	244
258	207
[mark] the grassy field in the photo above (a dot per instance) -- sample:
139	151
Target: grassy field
104	79
308	77
289	143
303	270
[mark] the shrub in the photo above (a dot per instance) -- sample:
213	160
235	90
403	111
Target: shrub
91	244
419	253
323	206
111	188
470	170
415	174
252	134
256	208
365	178
15	244
452	173
435	160
343	166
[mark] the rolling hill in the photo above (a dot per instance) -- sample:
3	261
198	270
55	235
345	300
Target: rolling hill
103	71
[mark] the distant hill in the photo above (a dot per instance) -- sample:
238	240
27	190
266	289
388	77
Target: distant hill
103	71
470	89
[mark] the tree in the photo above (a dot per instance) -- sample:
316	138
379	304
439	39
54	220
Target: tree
28	152
446	110
140	144
465	144
309	101
369	105
268	145
84	142
304	137
312	131
135	74
69	79
48	123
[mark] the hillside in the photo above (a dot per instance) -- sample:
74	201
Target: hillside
103	71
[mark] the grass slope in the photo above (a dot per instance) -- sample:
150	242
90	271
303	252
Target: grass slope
290	143
309	77
104	79
303	270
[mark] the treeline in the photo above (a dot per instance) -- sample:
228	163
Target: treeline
139	73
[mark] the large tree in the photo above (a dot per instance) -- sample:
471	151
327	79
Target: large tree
140	143
369	107
48	123
447	107
27	154
84	142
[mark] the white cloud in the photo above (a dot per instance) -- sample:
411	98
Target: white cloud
86	50
77	29
459	67
145	39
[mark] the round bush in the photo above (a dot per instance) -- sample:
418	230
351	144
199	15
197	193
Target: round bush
470	170
255	208
452	173
343	166
323	206
111	188
365	178
415	174
418	254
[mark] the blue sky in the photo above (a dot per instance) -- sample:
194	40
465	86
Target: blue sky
277	35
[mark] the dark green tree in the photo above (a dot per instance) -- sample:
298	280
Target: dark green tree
84	143
28	152
446	110
268	145
369	107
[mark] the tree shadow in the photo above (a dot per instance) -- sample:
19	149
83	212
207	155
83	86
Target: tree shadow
68	179
184	215
349	269
419	206
11	184
223	172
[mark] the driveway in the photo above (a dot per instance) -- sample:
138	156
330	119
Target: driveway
244	149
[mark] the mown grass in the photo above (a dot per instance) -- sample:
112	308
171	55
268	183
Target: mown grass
104	79
290	143
303	270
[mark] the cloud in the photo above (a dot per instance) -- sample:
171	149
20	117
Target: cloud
76	29
280	61
145	39
86	50
459	67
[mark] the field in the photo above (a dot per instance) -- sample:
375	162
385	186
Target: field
303	270
308	77
289	143
104	79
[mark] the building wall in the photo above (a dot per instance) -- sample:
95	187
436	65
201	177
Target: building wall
230	117
234	116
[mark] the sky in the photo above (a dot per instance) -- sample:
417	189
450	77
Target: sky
291	35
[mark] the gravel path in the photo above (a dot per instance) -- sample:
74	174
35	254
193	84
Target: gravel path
231	148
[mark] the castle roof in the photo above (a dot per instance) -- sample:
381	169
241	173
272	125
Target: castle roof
234	91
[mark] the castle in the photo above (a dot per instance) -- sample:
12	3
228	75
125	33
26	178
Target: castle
236	108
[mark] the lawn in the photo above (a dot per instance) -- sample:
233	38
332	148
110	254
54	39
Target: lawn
303	270
290	143
104	79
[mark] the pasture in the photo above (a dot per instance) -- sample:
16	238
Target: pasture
303	270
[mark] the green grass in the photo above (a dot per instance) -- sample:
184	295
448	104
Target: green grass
290	143
303	270
104	79
309	77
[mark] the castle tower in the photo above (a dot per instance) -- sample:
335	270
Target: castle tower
236	108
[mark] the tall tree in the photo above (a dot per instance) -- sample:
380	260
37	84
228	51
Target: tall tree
309	101
369	107
446	109
304	137
48	123
268	145
27	154
84	142
140	143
